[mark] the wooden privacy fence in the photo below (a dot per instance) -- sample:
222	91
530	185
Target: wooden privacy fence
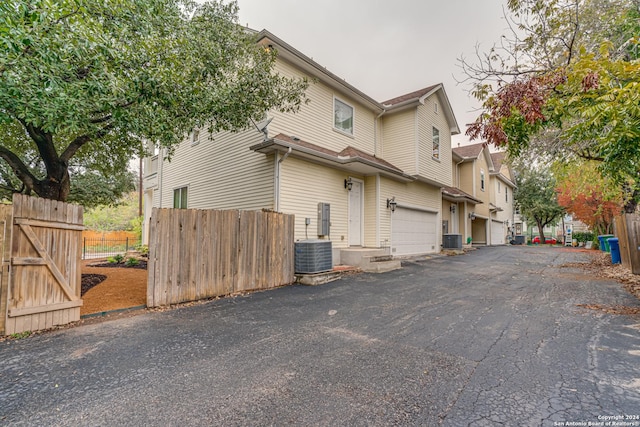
197	254
627	229
41	277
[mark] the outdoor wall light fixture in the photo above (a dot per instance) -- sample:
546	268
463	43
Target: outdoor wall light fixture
348	184
391	204
472	216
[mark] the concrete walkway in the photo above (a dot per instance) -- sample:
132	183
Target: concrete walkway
494	337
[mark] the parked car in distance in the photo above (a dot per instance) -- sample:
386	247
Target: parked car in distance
547	240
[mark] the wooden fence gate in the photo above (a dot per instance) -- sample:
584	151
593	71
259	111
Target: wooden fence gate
41	275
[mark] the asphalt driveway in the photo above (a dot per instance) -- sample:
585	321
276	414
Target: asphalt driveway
494	337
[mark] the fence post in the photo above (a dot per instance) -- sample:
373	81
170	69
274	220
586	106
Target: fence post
126	245
84	248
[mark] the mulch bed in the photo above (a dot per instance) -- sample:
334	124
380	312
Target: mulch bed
142	264
91	280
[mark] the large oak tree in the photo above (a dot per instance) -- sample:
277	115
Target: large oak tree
84	83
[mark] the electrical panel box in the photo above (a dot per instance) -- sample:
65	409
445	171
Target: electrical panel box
324	219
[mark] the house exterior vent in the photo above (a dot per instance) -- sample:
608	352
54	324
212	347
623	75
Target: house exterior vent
452	241
313	256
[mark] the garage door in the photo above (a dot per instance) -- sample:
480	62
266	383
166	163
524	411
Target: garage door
498	232
413	232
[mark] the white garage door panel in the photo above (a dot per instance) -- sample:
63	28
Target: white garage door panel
413	232
497	233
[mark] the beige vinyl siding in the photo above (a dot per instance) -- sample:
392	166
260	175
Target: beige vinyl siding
414	194
221	173
466	181
399	140
434	170
314	122
303	186
485	196
498	200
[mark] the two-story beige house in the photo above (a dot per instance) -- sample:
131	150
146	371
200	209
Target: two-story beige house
487	186
361	173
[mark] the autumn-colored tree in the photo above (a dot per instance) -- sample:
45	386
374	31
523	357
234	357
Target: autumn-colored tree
566	92
589	197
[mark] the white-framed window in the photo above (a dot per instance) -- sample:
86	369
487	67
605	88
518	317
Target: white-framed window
482	179
343	115
194	137
435	107
180	198
435	152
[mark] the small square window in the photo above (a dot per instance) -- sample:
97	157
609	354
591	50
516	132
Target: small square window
342	116
195	136
436	144
180	198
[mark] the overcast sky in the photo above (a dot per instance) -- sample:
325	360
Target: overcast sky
387	48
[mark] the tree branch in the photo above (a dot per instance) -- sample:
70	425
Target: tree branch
80	141
19	168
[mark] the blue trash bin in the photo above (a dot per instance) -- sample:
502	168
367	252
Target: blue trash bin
603	240
614	246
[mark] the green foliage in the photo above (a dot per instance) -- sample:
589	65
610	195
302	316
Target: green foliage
583	236
577	93
535	196
143	249
89	81
116	259
131	262
120	216
20	335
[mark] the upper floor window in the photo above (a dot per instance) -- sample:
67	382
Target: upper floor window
435	107
482	179
180	198
436	144
195	136
498	187
506	194
343	116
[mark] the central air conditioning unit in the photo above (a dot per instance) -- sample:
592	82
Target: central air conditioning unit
313	256
452	241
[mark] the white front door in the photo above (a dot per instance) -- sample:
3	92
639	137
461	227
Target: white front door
355	213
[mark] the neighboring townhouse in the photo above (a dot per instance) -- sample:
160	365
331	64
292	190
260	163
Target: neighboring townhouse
502	184
361	173
488	185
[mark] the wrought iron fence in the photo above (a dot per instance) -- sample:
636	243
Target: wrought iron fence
103	248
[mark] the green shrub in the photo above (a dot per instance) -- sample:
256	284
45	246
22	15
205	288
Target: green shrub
131	262
116	259
584	236
143	249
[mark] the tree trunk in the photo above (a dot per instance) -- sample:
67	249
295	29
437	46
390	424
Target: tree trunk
540	231
56	188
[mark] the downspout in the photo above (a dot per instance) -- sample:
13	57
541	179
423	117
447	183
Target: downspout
277	178
160	167
375	132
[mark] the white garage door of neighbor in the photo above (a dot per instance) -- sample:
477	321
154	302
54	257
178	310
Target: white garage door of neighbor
413	232
497	233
